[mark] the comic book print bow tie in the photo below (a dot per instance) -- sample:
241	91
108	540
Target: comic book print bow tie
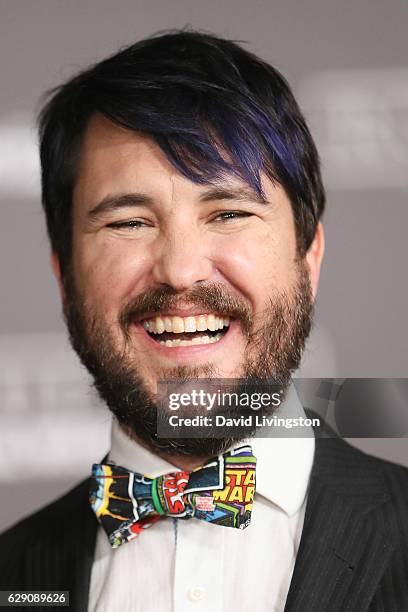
220	492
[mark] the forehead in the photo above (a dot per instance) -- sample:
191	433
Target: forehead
114	160
110	152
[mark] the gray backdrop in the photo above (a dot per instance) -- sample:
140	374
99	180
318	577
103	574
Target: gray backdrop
347	63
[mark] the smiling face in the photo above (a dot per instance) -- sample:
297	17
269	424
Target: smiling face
169	277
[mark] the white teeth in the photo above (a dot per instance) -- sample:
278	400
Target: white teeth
197	340
190	324
159	325
201	323
211	322
178	325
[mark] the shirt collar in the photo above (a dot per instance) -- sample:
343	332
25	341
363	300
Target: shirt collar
285	459
283	463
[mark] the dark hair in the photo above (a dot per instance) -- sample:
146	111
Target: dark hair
199	96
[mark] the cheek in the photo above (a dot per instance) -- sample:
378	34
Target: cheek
108	275
257	262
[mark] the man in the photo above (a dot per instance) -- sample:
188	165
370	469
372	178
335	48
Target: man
183	199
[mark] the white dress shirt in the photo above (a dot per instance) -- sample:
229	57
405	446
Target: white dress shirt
183	566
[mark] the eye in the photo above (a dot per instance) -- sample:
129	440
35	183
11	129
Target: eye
232	214
132	223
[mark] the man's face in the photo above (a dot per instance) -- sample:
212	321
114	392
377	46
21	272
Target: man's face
154	254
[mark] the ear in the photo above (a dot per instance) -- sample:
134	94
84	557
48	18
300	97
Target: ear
314	257
56	268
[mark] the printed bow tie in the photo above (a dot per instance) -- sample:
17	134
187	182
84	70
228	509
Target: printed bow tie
219	492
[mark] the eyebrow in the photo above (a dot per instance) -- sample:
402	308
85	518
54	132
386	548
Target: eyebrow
239	194
111	203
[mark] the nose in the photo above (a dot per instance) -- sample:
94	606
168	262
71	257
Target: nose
182	260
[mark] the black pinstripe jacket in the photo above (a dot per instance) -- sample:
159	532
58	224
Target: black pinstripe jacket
353	553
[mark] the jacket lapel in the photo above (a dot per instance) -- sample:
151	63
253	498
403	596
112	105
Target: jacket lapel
82	551
62	558
345	547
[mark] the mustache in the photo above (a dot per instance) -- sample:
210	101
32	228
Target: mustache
211	296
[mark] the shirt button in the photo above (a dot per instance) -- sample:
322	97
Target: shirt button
196	593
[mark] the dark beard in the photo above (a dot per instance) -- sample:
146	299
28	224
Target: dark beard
277	344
